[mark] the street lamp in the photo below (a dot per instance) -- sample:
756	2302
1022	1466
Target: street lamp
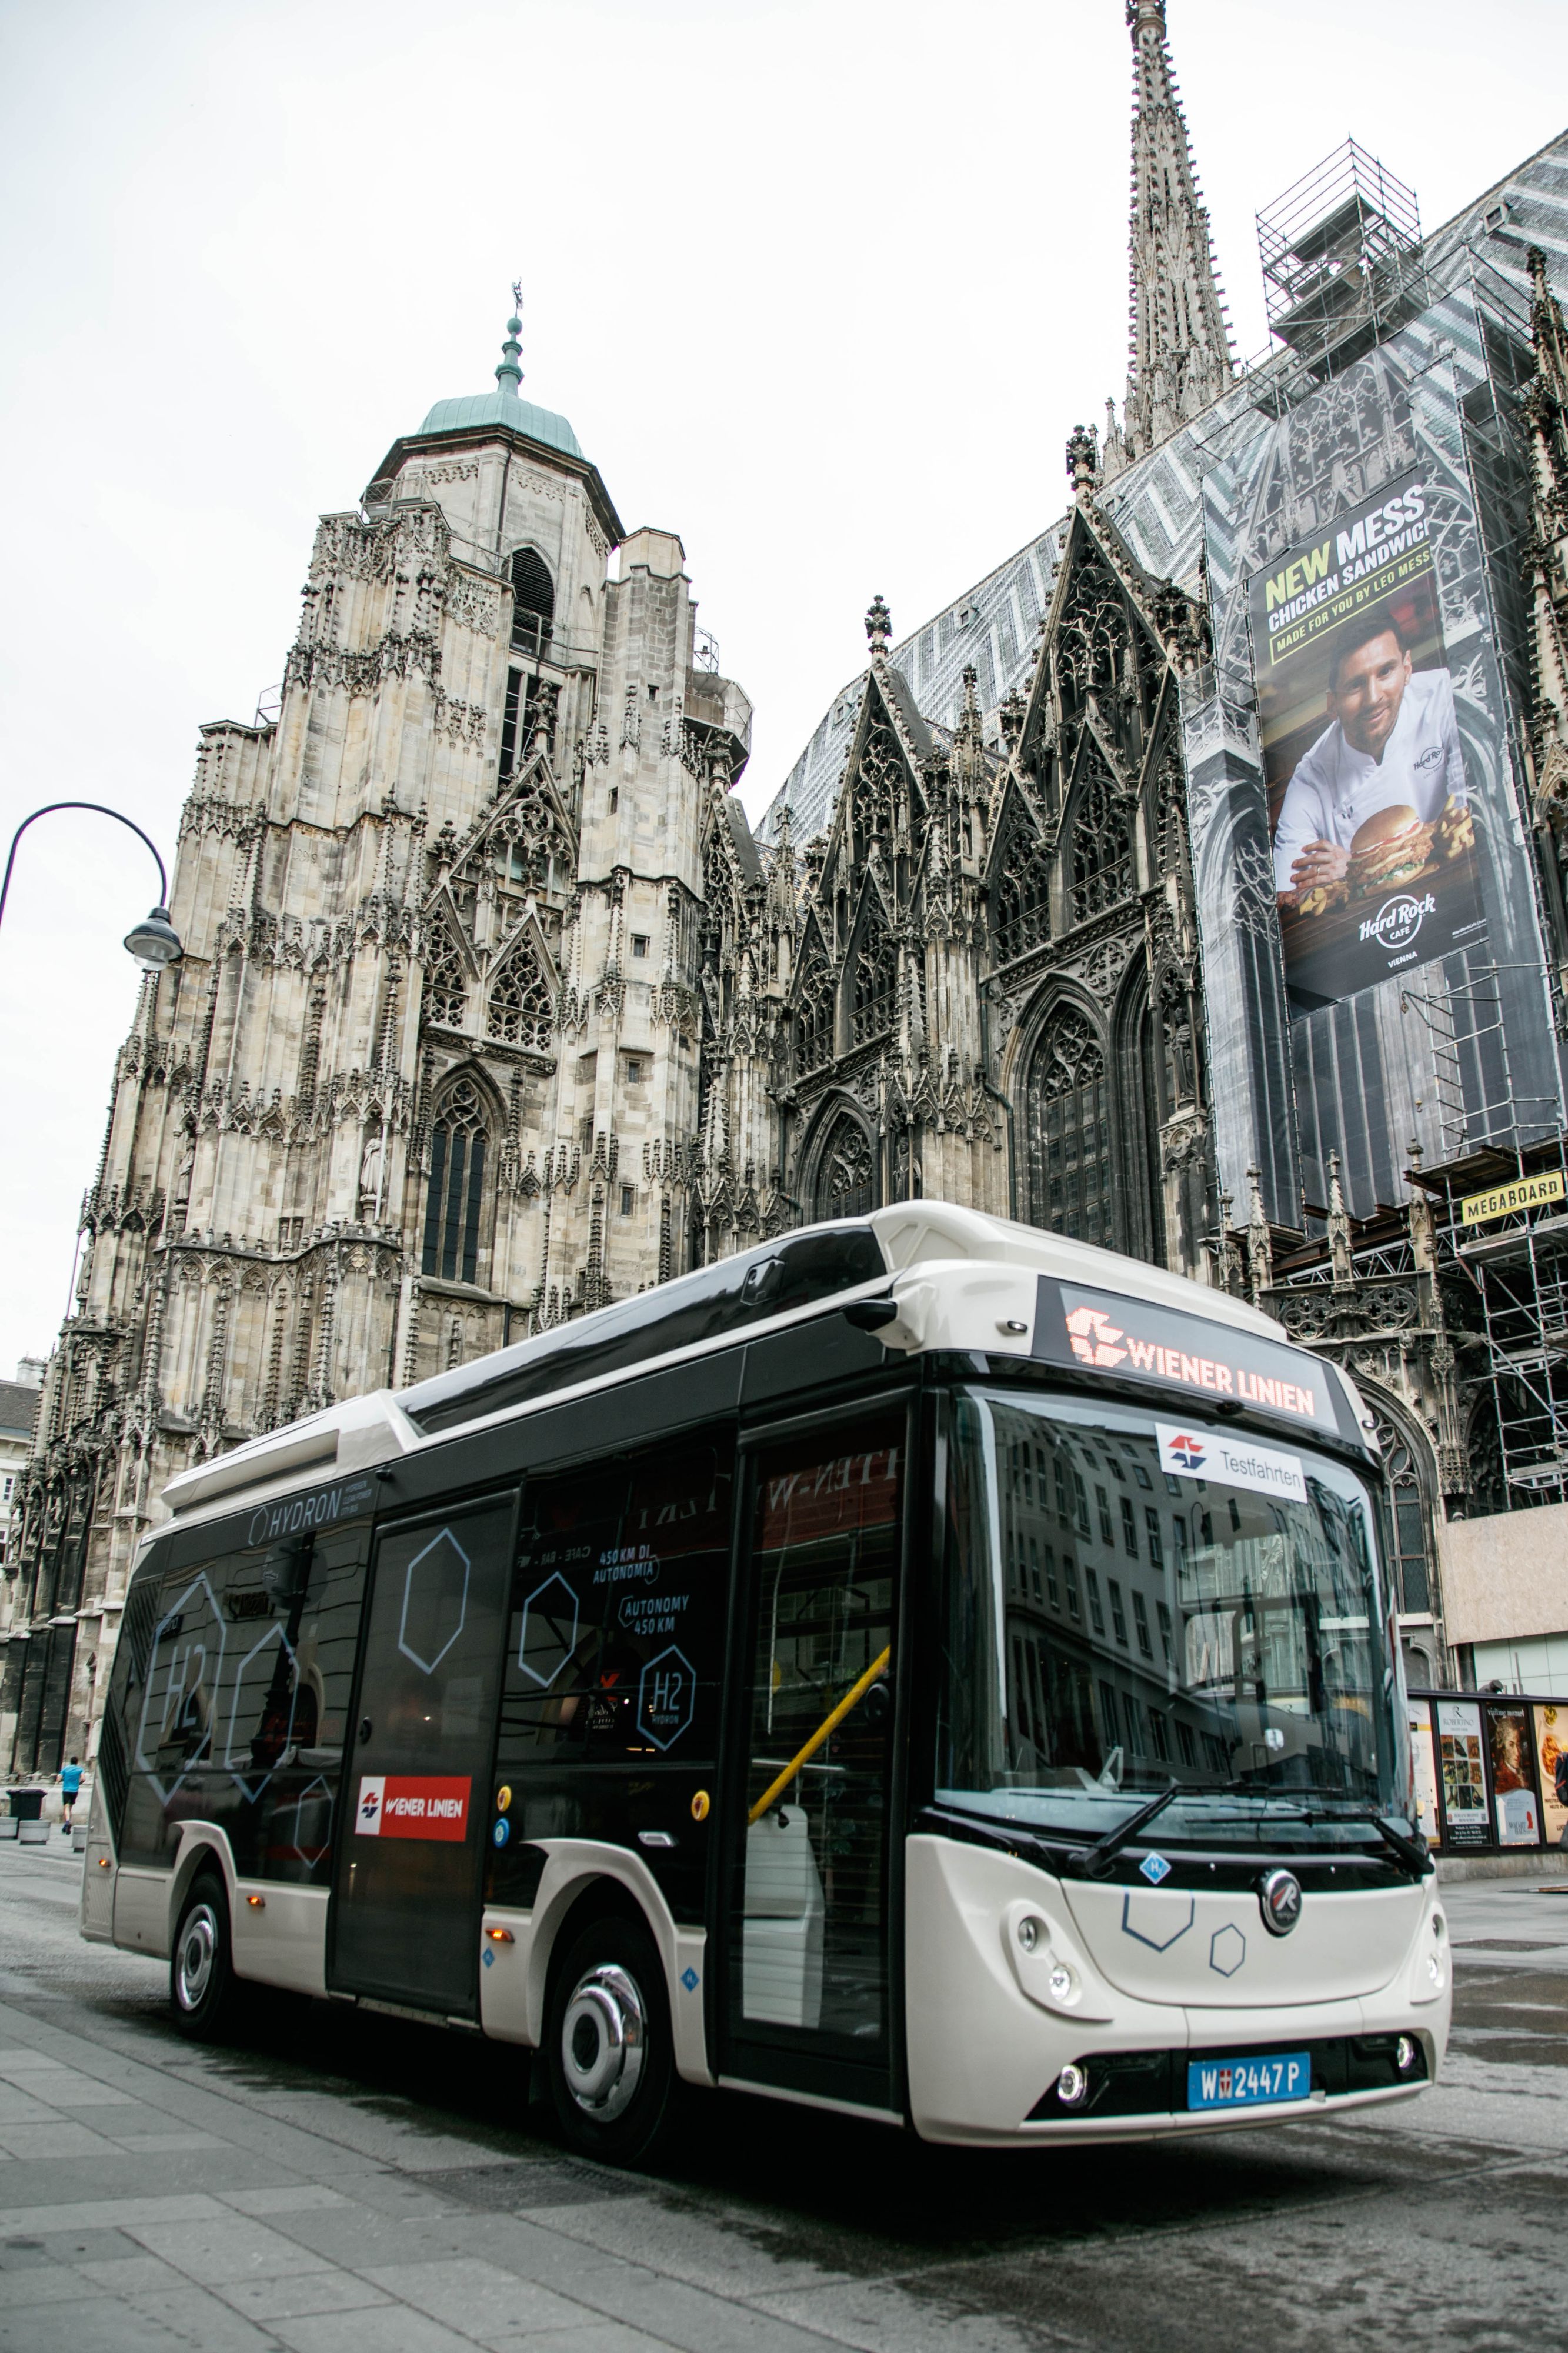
153	942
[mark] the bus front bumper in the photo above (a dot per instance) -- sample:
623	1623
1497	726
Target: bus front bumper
988	2046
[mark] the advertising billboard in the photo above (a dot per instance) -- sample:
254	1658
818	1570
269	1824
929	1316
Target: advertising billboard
1513	1782
1372	832
1552	1748
1463	1769
1424	1761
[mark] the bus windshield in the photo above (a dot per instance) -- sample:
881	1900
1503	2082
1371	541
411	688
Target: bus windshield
1118	1618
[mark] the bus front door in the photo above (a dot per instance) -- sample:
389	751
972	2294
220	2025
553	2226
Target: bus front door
810	1914
415	1787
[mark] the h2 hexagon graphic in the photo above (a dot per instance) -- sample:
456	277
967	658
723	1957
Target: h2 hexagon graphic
667	1694
549	1631
304	1830
175	1735
434	1601
1155	1920
261	1713
1227	1950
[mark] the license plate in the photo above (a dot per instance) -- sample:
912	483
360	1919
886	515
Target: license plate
1249	2082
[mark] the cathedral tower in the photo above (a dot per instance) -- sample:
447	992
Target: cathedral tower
1180	358
428	1076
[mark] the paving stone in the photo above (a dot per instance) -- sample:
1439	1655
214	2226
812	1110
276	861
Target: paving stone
486	2302
234	2247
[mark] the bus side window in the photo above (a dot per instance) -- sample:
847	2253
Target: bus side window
618	1603
238	1716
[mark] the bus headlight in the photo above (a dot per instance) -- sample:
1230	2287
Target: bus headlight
1047	1965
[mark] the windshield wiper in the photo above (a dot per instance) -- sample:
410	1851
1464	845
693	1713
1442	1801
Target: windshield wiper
1415	1857
1095	1860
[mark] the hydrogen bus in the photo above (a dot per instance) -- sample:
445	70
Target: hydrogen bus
921	1667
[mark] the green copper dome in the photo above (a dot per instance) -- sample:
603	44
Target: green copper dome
504	406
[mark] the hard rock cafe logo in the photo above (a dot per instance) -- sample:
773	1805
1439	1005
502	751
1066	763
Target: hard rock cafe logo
1094	1337
1398	920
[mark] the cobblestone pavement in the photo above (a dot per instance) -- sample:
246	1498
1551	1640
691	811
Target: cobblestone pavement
335	2183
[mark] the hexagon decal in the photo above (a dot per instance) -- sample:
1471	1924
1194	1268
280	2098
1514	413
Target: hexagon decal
304	1830
1227	1950
434	1601
549	1631
1155	1920
667	1694
175	1736
261	1713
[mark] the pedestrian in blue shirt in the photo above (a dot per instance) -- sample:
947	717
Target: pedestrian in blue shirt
70	1789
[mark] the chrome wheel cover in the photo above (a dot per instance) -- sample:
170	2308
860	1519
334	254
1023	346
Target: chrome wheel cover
197	1956
604	2040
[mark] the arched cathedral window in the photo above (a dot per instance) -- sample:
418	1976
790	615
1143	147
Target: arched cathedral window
1023	898
1069	1130
1101	850
1415	1579
446	983
533	602
519	1009
876	986
813	1020
846	1184
454	1200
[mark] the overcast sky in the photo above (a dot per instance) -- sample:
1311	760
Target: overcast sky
821	287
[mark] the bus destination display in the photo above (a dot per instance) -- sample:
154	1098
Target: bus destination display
1102	1331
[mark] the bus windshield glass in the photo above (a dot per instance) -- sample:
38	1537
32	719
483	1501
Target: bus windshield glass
1132	1601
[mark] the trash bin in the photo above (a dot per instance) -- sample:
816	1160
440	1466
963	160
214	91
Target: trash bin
26	1805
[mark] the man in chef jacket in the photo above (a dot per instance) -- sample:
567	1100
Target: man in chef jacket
1391	741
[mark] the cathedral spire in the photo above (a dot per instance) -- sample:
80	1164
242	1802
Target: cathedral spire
1180	357
509	373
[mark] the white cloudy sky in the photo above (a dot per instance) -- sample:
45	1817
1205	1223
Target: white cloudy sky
821	286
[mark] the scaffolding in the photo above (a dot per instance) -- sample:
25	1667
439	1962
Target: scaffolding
1513	1250
1342	257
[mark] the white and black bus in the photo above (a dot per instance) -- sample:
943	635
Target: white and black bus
922	1667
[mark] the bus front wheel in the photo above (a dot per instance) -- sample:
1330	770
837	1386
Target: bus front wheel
201	1968
608	2045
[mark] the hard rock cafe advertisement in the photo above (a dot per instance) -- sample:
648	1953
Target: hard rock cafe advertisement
1461	1765
1552	1751
1373	835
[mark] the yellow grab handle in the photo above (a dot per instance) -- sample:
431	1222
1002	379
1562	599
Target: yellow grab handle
829	1723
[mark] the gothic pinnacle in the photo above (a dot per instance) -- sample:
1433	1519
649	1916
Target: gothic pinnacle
1083	459
1180	357
879	627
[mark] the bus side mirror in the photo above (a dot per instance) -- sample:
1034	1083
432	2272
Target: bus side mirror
870	1315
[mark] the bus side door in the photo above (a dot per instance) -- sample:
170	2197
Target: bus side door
810	1910
413	1813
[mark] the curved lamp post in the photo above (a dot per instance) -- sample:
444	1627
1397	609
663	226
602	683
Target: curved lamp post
153	942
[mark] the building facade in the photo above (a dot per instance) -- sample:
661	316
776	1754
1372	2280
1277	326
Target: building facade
493	1008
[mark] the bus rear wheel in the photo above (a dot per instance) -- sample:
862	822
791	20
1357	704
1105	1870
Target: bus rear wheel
201	1966
608	2049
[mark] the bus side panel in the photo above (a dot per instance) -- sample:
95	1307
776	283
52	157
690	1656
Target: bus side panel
97	1914
282	1940
142	1910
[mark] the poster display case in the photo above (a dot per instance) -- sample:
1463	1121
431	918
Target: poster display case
1492	1769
